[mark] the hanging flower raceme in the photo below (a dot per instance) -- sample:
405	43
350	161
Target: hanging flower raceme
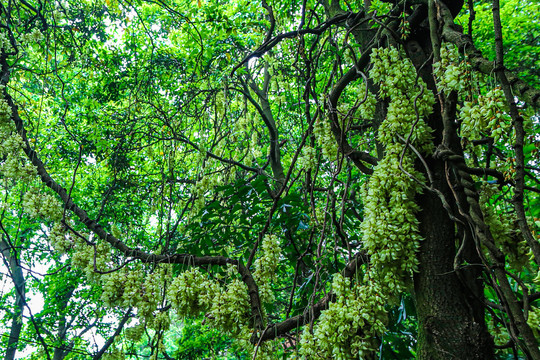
265	267
390	228
391	237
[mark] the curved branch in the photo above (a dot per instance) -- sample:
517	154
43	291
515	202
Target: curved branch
275	330
465	43
271	18
268	118
357	157
269	44
15	273
116	243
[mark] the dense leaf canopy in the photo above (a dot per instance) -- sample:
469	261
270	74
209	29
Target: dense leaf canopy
278	179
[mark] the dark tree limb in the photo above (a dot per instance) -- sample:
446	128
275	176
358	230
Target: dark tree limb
276	330
268	45
111	339
116	243
531	344
465	43
357	157
517	121
17	276
272	20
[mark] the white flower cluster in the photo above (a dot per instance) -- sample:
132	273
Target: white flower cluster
230	308
253	145
11	145
265	267
35	36
200	188
401	119
13	166
5	44
5	111
83	258
42	205
308	159
134	288
408	96
243	123
221	103
499	332
59	238
486	116
366	109
390	228
450	73
227	308
336	335
534	321
191	292
396	77
134	333
536	280
325	139
161	321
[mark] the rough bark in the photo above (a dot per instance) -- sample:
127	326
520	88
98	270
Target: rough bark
449	302
450	320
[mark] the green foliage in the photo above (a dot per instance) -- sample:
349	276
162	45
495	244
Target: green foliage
521	31
198	341
164	185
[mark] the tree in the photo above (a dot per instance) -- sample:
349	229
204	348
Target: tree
298	175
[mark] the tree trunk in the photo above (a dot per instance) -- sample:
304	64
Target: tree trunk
65	348
449	304
18	280
450	323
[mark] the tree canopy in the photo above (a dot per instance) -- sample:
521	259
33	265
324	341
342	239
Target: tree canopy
277	179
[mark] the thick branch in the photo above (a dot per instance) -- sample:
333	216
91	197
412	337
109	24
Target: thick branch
116	243
111	339
517	121
531	344
268	118
286	326
357	157
465	43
